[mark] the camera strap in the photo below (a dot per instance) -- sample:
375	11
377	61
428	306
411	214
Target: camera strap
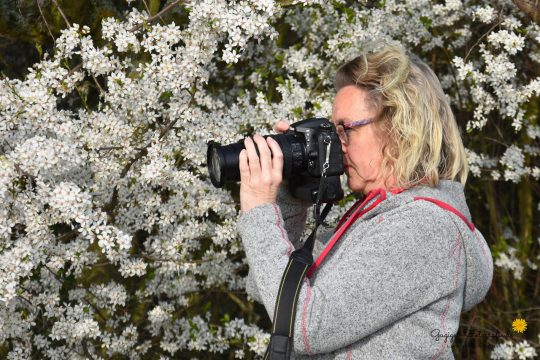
285	309
300	261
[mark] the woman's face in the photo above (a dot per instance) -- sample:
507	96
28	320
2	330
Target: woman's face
362	156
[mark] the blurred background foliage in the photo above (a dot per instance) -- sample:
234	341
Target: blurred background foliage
27	32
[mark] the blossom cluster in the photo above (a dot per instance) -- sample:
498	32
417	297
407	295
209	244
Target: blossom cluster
73	196
509	350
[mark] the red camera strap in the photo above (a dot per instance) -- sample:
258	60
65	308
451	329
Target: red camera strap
347	220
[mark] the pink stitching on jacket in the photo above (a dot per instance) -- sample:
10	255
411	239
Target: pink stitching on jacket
304	315
457	245
481	245
283	231
349	352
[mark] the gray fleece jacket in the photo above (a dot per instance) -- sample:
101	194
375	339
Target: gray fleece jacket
393	286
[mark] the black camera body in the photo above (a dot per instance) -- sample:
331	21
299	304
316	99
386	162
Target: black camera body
310	149
314	131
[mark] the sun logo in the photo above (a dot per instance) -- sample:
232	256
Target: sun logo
519	325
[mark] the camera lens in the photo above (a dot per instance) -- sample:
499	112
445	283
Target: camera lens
215	173
223	161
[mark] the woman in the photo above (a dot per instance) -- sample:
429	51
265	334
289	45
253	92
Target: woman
404	262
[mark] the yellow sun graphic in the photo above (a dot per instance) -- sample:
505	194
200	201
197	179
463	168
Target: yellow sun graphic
519	325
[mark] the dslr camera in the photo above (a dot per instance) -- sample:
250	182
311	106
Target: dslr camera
311	150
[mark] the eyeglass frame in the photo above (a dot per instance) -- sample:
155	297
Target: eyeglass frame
347	126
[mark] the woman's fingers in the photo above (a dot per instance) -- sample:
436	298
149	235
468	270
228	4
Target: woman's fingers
267	165
265	157
253	158
277	159
260	174
244	166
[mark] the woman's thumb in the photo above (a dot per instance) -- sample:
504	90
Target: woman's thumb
281	126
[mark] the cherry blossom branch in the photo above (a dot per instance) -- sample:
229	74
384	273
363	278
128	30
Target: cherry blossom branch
85	348
135	28
481	38
111	205
101	91
109	148
148	9
23	298
163	11
97	310
155	259
235	298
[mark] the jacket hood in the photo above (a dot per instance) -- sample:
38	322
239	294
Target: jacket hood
479	263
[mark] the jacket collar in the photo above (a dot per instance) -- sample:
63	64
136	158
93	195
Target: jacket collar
450	192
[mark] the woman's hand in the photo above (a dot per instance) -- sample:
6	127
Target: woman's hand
281	126
260	176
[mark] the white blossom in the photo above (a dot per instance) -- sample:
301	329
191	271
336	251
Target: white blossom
503	351
514	161
524	350
510	262
75	324
511	42
485	14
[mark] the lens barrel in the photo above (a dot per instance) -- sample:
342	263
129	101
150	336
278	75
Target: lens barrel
223	164
223	161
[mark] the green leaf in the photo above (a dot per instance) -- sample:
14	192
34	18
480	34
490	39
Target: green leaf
154	6
165	95
225	319
279	56
297	111
350	15
207	306
132	181
39	49
427	22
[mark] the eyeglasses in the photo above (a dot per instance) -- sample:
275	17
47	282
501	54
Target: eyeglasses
344	129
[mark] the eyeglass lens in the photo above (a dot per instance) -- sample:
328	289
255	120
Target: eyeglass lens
342	134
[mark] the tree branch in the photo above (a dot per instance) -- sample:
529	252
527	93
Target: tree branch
109	207
166	9
85	349
148	20
62	13
234	298
96	309
480	39
46	23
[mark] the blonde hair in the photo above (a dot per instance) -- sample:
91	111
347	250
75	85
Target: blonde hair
422	140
